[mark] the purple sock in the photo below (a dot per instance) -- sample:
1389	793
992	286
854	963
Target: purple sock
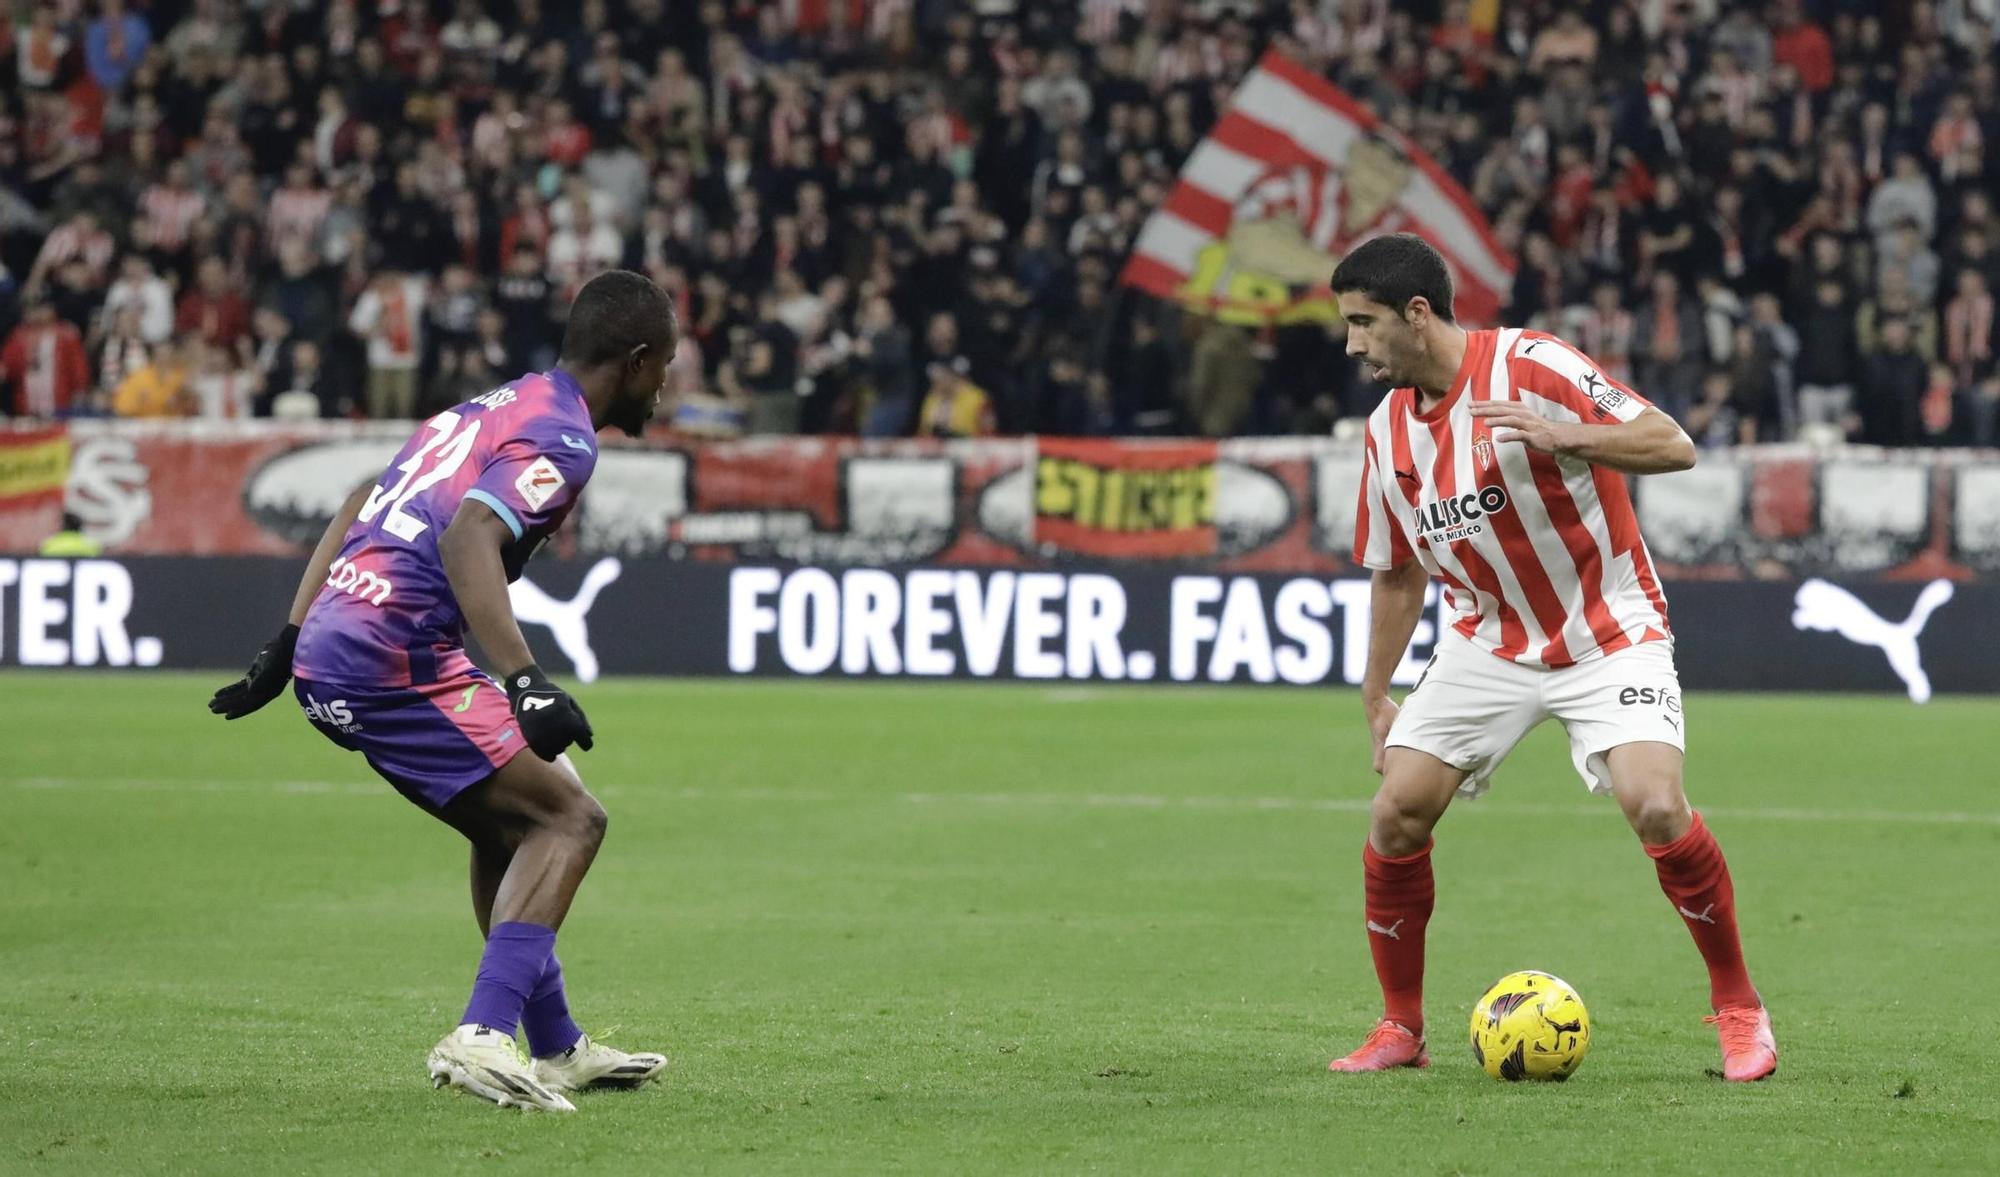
516	957
546	1016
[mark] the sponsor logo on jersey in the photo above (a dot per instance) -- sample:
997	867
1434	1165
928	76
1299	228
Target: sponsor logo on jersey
498	398
1605	397
539	483
372	587
336	715
1631	696
1457	517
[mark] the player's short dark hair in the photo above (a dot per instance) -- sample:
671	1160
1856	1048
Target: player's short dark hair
615	312
1394	269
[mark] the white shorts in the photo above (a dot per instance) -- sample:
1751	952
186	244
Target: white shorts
1471	708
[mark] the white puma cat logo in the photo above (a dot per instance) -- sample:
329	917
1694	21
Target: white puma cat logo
1701	916
1828	607
567	621
1389	931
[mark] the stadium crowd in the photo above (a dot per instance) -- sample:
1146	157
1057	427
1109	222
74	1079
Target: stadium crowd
904	216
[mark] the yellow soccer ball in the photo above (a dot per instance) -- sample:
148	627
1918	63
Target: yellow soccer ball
1530	1025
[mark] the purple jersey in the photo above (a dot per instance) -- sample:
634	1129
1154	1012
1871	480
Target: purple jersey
387	616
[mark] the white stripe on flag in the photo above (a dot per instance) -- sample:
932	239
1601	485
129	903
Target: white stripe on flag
1172	242
1221	172
1313	124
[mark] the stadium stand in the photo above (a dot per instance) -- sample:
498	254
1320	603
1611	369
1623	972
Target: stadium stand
897	216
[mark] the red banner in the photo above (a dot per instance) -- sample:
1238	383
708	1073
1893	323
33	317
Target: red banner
1153	500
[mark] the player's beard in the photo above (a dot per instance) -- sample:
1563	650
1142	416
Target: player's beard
632	417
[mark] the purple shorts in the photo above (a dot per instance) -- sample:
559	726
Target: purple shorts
432	741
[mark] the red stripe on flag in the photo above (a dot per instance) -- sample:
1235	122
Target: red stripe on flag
1153	276
1200	208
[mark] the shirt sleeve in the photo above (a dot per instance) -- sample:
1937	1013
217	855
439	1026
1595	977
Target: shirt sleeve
1378	543
1555	371
534	476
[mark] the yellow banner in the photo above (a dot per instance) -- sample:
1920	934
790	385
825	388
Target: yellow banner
33	464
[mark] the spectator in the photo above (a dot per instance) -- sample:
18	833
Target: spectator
308	393
1905	196
1715	419
390	317
1224	375
955	406
79	239
159	389
43	360
1968	329
1825	371
114	45
1668	343
1892	388
120	347
139	287
212	310
222	388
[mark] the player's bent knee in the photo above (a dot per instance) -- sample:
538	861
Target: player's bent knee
1398	823
592	822
1656	808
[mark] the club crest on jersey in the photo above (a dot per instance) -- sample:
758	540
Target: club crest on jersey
1482	450
539	483
1457	517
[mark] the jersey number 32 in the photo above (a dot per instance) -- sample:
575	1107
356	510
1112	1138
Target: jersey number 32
446	450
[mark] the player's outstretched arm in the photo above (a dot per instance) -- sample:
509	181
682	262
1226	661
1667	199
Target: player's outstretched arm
470	548
1396	601
1650	443
272	668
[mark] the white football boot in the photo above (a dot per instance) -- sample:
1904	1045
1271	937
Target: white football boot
593	1064
483	1061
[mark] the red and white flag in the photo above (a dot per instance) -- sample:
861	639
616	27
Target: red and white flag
1293	175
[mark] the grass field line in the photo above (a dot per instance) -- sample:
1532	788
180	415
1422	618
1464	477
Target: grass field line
1045	799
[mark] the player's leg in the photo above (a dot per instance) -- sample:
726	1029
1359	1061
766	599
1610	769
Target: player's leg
438	744
1399	893
1453	730
1646	779
545	1019
540	809
1626	731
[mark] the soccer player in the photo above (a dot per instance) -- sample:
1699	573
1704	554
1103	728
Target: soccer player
376	642
1497	465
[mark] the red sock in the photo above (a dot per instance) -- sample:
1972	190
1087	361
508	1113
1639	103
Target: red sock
1400	896
1696	880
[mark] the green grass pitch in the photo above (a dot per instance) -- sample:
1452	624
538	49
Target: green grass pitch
958	929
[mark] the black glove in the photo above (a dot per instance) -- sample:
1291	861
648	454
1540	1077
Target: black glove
269	672
550	720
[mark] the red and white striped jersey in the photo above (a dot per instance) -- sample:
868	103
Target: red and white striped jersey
1541	556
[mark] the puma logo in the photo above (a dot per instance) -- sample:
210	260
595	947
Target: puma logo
1701	916
1411	475
1389	931
1830	608
567	621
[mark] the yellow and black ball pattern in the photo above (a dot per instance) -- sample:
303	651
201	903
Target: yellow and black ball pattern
1530	1025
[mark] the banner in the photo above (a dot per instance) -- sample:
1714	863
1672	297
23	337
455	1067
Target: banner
1104	624
1102	498
34	466
1293	175
1243	505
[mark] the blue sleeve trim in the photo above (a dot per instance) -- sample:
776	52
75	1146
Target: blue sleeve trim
501	509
